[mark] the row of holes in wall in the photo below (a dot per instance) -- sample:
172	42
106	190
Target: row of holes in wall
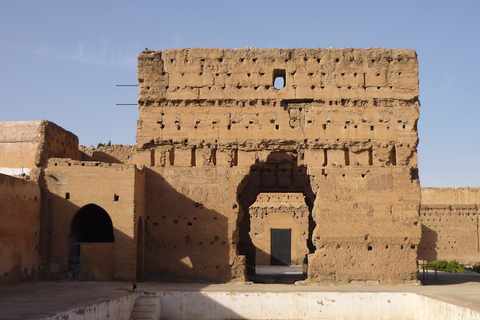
252	122
25	197
450	212
116	197
279	80
279	83
88	164
271	60
212	157
285	104
370	247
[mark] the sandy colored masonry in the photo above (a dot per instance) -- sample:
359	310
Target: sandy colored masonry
244	157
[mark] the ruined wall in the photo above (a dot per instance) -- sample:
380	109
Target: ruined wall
28	144
211	121
109	154
19	229
71	186
450	224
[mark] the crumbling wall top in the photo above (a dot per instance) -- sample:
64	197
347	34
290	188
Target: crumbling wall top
199	73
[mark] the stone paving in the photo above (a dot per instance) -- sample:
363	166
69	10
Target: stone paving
40	299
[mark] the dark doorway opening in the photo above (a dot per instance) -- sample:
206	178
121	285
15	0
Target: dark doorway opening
281	247
279	173
91	224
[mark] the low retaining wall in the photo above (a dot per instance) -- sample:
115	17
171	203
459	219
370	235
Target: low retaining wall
181	305
116	309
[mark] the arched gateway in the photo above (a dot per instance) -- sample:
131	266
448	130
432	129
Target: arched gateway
91	245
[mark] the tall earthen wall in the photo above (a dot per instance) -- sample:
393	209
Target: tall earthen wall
341	129
450	225
71	186
19	229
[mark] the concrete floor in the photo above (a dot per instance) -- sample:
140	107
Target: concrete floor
40	299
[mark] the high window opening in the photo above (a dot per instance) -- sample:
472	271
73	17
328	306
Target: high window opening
279	79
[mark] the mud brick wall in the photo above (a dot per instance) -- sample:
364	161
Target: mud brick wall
217	127
19	229
72	186
29	144
450	224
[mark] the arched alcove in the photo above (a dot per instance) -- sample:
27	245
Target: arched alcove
280	173
91	245
92	224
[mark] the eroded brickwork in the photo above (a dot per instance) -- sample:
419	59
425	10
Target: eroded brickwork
450	225
217	130
19	229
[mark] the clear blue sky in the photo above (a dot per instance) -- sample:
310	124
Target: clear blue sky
61	60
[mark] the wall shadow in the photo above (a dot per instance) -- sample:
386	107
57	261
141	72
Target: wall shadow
100	156
446	278
427	248
185	240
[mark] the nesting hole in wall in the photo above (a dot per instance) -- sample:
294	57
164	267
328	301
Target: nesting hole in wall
193	159
370	248
67	195
116	197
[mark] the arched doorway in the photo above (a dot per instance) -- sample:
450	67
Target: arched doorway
281	174
91	245
140	250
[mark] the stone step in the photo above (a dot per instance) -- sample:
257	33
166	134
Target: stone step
145	308
142	315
